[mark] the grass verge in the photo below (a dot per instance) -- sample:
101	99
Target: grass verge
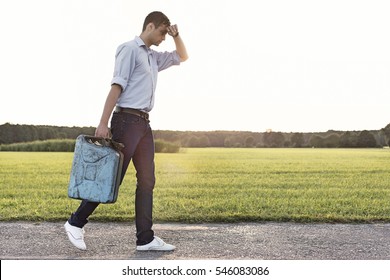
216	185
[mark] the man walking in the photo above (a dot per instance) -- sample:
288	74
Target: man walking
132	95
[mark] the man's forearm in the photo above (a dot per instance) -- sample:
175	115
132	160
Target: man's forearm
180	48
111	100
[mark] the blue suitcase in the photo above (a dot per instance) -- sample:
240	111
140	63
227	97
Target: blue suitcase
96	169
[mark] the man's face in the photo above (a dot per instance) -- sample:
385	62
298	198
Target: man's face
158	35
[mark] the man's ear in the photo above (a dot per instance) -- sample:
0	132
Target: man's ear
150	26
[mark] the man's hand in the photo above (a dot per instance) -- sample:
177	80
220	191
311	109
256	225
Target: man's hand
173	30
103	131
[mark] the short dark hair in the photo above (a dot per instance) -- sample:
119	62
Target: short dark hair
157	18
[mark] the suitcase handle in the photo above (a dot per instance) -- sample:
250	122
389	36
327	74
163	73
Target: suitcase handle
106	142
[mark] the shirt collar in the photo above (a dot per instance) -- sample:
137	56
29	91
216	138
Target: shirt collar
140	42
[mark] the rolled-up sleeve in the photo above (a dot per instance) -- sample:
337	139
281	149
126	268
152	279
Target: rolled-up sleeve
124	65
167	59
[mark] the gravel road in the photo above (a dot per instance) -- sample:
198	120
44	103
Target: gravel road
266	241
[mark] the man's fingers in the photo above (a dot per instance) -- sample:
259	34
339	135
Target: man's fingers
172	29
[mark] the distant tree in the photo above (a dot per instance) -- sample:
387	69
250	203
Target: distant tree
249	142
332	141
227	142
287	144
193	142
46	132
348	140
217	138
278	139
297	140
366	140
316	141
6	134
204	141
386	131
273	139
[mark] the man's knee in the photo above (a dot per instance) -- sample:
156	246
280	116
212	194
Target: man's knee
146	182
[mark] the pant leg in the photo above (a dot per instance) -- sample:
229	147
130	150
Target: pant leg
143	161
80	217
136	134
125	129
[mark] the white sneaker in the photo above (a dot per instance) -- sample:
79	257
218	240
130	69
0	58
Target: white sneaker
157	244
76	236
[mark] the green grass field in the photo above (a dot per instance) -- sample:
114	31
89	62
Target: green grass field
216	185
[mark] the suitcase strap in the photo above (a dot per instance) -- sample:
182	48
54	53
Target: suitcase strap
106	142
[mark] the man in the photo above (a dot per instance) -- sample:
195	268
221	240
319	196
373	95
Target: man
132	94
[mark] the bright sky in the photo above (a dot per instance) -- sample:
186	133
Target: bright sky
285	65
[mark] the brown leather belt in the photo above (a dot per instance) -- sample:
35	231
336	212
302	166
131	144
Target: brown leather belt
133	112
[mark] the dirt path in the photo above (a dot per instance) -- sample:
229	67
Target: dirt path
269	241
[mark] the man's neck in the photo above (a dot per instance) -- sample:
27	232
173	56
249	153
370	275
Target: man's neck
143	38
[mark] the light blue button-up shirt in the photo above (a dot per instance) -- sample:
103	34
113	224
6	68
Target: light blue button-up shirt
136	68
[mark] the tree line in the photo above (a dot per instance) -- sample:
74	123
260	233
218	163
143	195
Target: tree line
10	134
18	133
